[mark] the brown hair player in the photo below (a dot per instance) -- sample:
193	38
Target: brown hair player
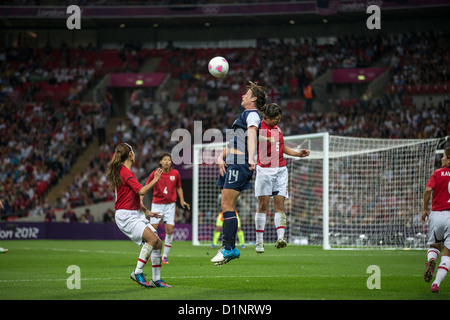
129	213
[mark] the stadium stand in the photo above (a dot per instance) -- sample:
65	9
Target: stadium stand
43	87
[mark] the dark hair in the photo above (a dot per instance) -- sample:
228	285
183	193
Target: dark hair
260	94
120	155
447	152
272	110
165	154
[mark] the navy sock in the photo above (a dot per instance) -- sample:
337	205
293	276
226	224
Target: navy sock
229	229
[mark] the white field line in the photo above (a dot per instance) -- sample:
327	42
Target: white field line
343	253
216	277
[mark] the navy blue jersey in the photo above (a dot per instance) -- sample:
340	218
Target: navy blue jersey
238	138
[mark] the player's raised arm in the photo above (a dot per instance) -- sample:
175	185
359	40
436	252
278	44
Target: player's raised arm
302	153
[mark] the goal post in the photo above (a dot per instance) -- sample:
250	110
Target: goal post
349	193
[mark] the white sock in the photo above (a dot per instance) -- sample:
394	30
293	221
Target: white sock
432	254
442	270
156	265
146	251
280	224
167	244
260	224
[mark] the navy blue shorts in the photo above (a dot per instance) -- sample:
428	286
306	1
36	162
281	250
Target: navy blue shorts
237	177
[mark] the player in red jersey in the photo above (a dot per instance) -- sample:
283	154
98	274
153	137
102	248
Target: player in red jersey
130	214
438	222
165	198
272	175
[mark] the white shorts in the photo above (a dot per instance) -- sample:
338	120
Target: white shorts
133	223
271	181
439	228
166	210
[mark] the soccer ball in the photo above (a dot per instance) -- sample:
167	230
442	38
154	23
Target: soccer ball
218	67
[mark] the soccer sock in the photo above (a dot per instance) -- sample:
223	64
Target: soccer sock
280	224
229	229
442	270
156	265
260	224
432	254
216	236
146	251
167	244
240	235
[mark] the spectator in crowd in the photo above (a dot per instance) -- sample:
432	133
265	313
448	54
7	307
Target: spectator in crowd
69	215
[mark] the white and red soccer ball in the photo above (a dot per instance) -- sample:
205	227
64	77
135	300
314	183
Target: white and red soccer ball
218	67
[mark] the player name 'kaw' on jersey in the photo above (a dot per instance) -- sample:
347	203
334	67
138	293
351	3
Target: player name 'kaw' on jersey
270	147
165	190
440	183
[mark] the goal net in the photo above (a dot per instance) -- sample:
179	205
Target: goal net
349	193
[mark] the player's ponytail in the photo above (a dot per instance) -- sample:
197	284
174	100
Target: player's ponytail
272	110
120	155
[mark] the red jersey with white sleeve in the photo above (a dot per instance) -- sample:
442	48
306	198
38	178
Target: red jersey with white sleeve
270	147
165	190
440	183
127	195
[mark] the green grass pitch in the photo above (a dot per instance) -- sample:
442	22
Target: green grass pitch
38	270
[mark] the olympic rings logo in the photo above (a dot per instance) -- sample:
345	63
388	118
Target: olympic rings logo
181	234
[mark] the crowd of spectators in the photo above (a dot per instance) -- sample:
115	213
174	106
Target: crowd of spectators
41	140
283	66
419	62
39	143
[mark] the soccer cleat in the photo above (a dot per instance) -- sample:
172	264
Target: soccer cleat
161	284
429	270
140	278
281	243
259	247
434	288
242	246
213	246
164	260
224	256
236	253
3	250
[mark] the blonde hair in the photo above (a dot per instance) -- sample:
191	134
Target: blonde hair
120	155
